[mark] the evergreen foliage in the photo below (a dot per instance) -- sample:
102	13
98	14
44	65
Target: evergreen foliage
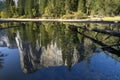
60	8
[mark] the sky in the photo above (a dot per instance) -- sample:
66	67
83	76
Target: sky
13	0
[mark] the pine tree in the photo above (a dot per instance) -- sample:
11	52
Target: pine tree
21	4
74	5
42	5
9	8
67	6
82	6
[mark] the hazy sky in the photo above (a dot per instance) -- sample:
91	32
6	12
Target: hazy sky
2	0
13	0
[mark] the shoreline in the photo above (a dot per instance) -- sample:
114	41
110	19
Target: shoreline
94	20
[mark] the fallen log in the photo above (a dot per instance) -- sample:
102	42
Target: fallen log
60	20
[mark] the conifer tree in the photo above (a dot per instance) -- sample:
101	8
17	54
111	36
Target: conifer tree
82	6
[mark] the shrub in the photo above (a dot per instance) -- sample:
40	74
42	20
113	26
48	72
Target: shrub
3	14
75	15
79	15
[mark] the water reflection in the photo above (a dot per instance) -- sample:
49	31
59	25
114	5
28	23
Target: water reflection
2	55
1	61
55	46
49	47
104	46
7	38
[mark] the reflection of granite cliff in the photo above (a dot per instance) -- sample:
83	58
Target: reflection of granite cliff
5	41
52	56
34	57
29	60
4	38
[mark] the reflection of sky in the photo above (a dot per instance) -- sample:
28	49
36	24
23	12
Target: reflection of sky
100	67
11	69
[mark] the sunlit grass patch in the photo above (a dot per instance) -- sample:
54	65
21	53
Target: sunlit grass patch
112	18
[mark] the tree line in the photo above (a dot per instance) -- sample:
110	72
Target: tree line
60	8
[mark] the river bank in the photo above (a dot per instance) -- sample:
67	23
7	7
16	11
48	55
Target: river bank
91	20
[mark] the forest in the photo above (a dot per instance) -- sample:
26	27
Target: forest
67	9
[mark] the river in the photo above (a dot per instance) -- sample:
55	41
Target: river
58	51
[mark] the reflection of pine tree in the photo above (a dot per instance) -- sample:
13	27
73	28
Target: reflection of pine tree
21	7
1	63
68	44
1	60
82	48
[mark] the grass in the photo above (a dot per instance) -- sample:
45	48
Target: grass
116	18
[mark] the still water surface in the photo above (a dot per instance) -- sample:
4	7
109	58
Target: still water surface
57	51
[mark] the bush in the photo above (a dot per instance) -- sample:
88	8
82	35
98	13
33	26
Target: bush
75	15
68	16
80	15
3	14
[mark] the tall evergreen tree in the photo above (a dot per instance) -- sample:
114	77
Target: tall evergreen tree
74	5
82	6
28	10
10	8
42	5
67	6
21	7
60	8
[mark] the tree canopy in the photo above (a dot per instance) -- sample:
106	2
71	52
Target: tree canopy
59	8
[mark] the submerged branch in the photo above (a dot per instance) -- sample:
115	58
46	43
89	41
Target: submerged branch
110	32
117	44
109	49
